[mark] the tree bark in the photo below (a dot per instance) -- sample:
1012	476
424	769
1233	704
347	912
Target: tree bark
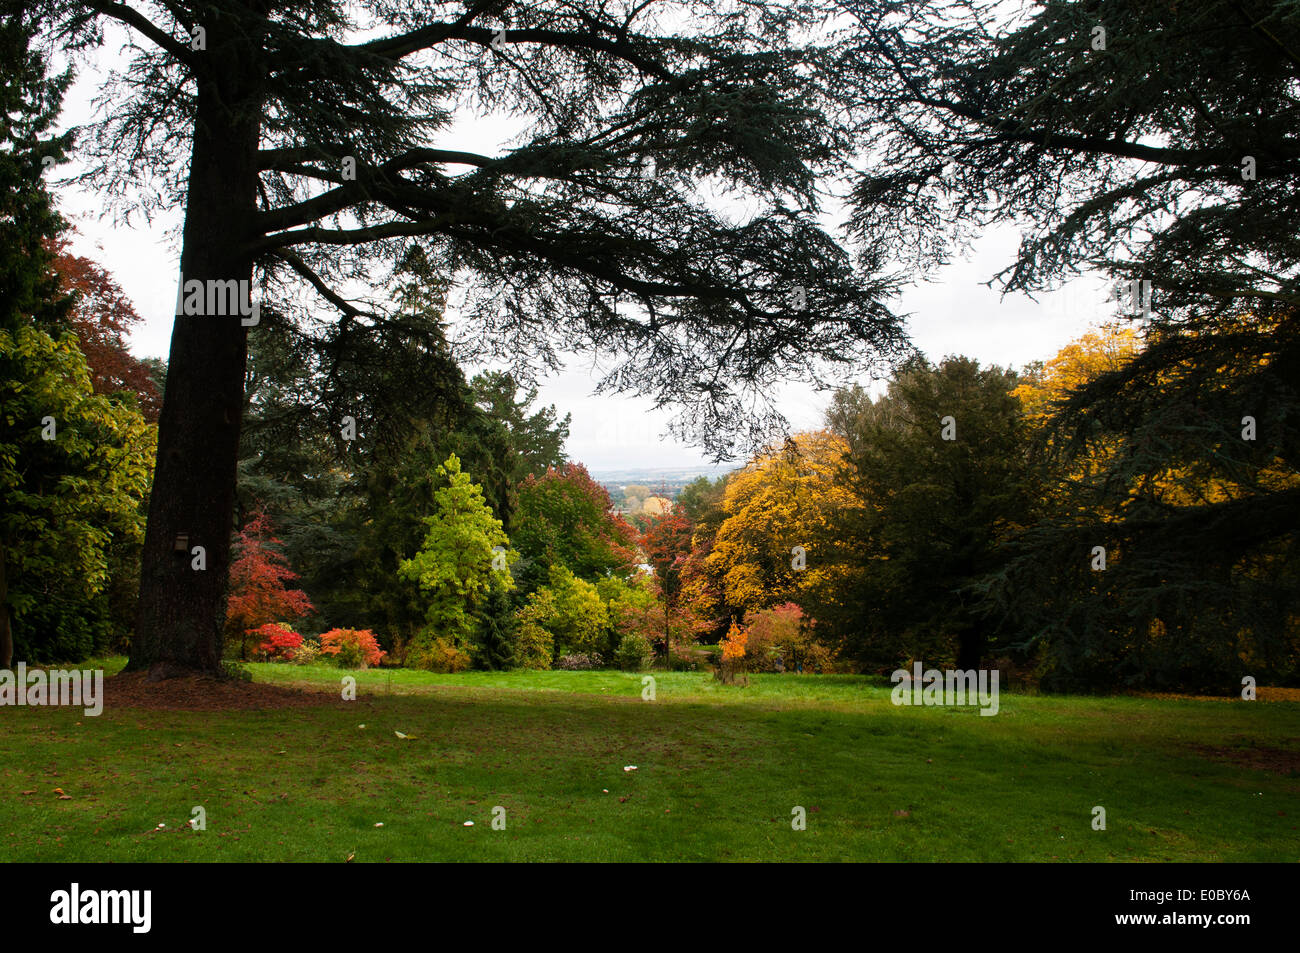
182	609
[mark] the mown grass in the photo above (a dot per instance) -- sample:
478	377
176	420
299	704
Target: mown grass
718	771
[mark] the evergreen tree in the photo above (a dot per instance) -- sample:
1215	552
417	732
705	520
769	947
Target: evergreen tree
496	641
939	463
1154	142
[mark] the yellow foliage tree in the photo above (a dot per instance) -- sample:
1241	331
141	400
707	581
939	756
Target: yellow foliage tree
780	540
1106	349
1045	388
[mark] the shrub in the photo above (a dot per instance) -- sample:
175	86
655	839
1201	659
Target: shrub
232	668
534	646
578	662
278	642
634	653
307	653
437	655
351	648
780	639
734	648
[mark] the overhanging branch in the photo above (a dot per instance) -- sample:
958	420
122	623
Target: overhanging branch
138	21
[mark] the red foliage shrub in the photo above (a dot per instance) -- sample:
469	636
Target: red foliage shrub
352	648
258	577
280	643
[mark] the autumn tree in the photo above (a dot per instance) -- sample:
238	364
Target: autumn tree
306	144
259	578
1153	142
565	518
102	316
667	545
782	539
1101	584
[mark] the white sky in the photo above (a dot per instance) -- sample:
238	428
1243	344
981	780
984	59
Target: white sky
953	314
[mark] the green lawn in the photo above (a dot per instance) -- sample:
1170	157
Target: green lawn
719	770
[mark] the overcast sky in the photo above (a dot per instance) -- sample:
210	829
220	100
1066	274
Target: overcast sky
953	314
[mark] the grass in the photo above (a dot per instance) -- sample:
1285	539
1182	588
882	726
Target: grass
719	770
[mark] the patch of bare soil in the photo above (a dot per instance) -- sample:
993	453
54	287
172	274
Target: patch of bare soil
1264	693
205	693
1280	761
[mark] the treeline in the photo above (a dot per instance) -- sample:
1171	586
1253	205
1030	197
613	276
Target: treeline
77	411
77	443
382	491
974	515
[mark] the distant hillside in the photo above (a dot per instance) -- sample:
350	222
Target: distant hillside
664	482
654	476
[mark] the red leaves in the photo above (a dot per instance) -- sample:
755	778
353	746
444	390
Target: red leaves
667	545
258	594
280	642
353	648
102	317
569	513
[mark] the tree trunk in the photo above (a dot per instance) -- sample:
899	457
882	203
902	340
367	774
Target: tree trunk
182	608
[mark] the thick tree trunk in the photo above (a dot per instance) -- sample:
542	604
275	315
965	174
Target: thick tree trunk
182	608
